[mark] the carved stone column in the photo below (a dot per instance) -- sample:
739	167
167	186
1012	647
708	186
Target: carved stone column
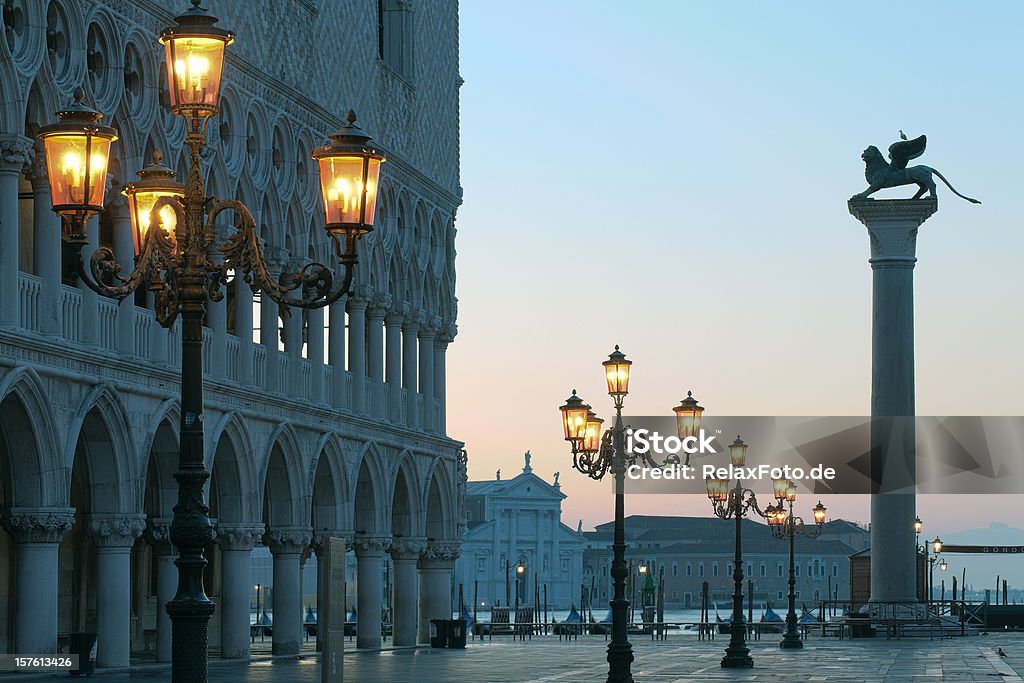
427	335
236	543
445	335
435	568
15	152
37	533
336	352
113	536
410	332
370	559
405	552
158	536
124	252
393	362
375	353
357	351
46	245
269	321
892	228
287	545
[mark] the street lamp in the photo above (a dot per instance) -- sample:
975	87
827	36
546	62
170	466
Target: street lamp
594	455
688	419
734	502
935	547
174	262
785	525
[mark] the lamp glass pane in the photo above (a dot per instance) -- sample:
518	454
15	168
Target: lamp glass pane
617	375
341	186
140	205
69	159
592	437
738	454
194	66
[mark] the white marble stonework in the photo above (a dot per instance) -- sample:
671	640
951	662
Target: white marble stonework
322	420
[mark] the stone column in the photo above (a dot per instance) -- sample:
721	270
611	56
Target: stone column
357	351
435	568
159	337
90	312
15	152
244	332
393	366
892	228
293	339
287	545
427	334
444	337
158	536
370	558
236	543
336	352
315	354
405	552
113	536
375	353
269	333
47	247
410	331
36	533
124	252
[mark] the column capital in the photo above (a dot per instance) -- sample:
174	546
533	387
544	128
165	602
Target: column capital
35	170
446	332
115	530
38	525
892	226
357	301
238	536
429	327
287	540
407	548
15	152
158	536
440	554
411	320
319	542
371	546
394	316
378	306
275	258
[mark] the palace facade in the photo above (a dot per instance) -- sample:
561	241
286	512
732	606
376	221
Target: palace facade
322	423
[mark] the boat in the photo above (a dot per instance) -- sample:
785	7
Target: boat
807	616
604	626
770	621
571	624
309	622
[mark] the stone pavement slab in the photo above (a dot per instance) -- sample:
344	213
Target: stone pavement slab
677	660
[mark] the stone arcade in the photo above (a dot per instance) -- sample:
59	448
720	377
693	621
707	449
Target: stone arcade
325	423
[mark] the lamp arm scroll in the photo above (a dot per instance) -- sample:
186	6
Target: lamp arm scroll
242	253
155	255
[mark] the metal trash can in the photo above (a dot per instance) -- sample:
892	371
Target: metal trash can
84	645
457	633
439	632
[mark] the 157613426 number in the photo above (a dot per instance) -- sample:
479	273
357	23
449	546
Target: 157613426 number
38	662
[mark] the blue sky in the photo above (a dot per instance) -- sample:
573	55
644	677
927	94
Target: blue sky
672	177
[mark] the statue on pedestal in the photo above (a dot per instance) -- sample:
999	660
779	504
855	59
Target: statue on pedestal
894	173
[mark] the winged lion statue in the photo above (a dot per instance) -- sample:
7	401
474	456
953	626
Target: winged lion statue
894	173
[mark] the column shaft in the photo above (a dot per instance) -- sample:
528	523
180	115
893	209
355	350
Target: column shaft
166	587
427	378
19	150
410	331
336	353
244	332
393	364
46	248
113	609
124	252
357	352
315	353
375	359
234	607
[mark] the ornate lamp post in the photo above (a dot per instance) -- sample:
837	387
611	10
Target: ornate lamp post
785	525
728	501
935	546
175	261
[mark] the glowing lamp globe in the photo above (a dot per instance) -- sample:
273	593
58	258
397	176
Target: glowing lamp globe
918	525
779	488
592	436
738	452
718	489
77	150
688	416
937	545
771	514
574	418
349	175
155	181
819	513
616	372
195	61
791	492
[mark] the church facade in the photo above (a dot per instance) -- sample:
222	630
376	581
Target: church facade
514	523
326	423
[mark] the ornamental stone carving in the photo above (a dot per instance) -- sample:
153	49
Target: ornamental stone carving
115	531
440	554
231	537
38	525
288	540
319	542
892	226
16	152
158	536
368	546
407	548
35	169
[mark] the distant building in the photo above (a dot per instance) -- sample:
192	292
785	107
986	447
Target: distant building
690	550
518	521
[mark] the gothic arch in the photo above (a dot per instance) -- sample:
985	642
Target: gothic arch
234	495
285	494
36	475
369	491
438	503
100	435
406	504
329	488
